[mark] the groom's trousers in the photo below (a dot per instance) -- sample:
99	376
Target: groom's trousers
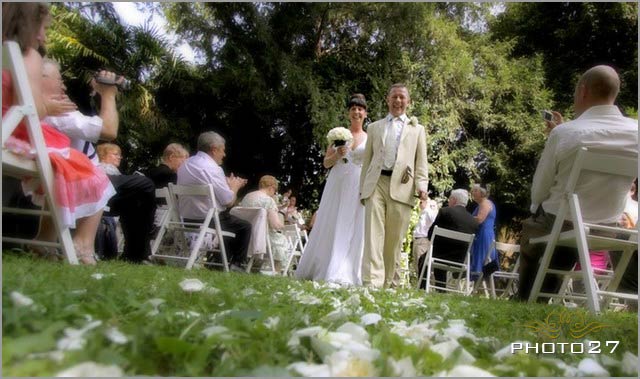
386	222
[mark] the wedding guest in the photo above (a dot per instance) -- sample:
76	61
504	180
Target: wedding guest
291	214
334	250
110	156
206	168
421	243
166	172
599	124
134	201
485	215
453	217
264	198
394	169
82	189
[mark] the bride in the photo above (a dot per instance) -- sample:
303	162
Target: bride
334	250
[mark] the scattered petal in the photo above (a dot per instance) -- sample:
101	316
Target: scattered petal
310	369
447	349
357	332
589	367
249	291
337	314
191	285
55	355
345	364
630	364
155	302
353	301
272	322
370	319
214	330
187	314
116	336
308	299
467	371
97	276
20	300
91	369
403	367
506	351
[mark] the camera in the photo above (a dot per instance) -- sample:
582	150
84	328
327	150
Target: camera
547	115
125	85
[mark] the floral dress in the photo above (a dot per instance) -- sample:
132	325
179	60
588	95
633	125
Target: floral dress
259	199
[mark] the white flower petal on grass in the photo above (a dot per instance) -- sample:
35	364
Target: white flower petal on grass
310	370
445	308
402	368
357	332
416	333
368	295
447	349
308	299
116	336
212	290
55	355
215	330
370	319
187	314
353	301
20	300
337	314
630	364
272	322
589	367
75	342
344	364
91	369
506	351
191	285
294	341
155	302
467	371
415	302
248	292
97	275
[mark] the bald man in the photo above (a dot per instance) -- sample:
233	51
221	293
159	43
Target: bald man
599	124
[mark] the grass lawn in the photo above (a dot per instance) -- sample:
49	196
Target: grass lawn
138	320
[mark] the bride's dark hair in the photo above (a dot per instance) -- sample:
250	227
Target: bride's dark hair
357	99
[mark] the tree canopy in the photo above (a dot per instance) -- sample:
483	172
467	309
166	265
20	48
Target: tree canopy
275	77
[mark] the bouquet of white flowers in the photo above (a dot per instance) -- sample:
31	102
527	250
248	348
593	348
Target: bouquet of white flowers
339	137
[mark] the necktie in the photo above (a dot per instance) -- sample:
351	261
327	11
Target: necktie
390	145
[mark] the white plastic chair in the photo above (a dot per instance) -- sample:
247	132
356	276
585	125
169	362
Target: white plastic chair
260	244
181	231
582	236
295	248
461	284
19	167
511	275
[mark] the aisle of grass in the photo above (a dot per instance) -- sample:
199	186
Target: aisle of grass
138	320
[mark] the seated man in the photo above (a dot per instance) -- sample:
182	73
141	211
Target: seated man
135	195
173	156
205	168
453	217
599	124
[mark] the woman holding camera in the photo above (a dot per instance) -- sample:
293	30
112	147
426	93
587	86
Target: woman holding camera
81	190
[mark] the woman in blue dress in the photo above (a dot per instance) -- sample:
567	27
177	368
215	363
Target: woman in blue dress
485	214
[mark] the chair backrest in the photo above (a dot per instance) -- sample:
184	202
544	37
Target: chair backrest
178	191
453	235
614	166
505	249
258	218
292	231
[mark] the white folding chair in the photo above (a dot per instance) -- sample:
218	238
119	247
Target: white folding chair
163	214
260	244
510	275
295	248
19	167
588	236
181	231
461	284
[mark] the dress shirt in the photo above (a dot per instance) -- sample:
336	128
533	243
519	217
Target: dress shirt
393	131
202	169
83	131
427	217
602	127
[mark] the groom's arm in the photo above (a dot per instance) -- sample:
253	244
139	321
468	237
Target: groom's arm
421	178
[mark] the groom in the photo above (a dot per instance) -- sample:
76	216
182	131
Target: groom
394	168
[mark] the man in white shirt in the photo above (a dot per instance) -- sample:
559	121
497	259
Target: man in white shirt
599	124
421	243
134	201
205	168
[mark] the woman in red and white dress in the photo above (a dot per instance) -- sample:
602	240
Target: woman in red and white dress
81	190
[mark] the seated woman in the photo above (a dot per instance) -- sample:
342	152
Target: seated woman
264	198
110	157
81	189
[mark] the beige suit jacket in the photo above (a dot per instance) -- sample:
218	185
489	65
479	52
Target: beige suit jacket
412	153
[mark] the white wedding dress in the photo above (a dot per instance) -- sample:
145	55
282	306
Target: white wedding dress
336	242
